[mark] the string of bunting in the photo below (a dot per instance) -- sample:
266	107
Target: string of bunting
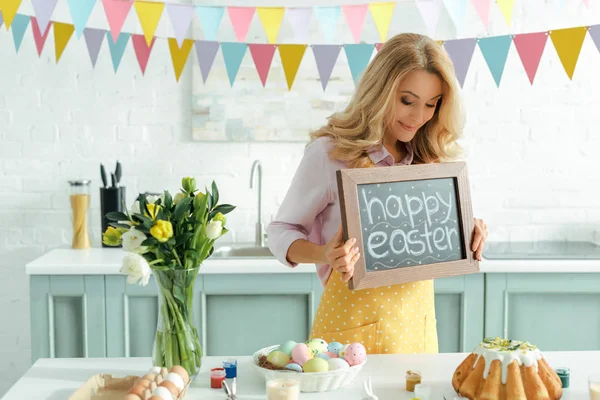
495	49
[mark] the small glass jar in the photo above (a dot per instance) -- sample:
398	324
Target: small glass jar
279	388
79	196
412	378
564	374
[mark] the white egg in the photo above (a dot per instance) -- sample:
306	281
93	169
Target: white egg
155	370
163	392
176	379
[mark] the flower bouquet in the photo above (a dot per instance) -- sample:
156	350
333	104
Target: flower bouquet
171	237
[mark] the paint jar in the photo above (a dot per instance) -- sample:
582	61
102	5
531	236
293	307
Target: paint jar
217	376
564	374
230	367
412	378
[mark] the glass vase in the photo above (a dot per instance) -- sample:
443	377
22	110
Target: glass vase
176	341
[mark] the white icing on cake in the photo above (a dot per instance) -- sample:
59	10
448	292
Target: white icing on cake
506	351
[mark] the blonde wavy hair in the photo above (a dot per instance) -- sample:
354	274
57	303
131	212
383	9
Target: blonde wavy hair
361	126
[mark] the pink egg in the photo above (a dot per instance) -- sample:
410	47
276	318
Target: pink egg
331	354
301	353
355	354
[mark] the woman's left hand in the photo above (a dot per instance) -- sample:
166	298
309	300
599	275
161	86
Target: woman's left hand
480	233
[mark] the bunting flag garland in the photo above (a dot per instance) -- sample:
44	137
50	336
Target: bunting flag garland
595	35
142	50
117	48
19	26
262	54
210	18
62	35
430	12
291	57
495	51
43	10
382	15
241	17
38	37
80	12
93	39
358	56
179	55
355	18
1	20
233	54
271	19
149	14
328	18
568	44
181	17
298	19
326	56
483	10
206	52
506	7
378	46
457	10
530	47
9	10
116	13
461	53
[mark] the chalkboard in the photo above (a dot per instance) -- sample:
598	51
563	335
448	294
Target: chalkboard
411	222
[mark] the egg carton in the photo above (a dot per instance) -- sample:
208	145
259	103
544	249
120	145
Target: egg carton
309	381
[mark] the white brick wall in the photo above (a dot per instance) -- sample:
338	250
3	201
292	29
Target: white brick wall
532	151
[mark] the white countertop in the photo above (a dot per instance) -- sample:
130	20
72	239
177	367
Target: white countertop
107	261
53	379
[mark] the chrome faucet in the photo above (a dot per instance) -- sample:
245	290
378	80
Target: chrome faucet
260	234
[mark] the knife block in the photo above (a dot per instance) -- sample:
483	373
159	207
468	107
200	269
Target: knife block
111	199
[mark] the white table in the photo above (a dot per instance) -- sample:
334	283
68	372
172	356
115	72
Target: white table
56	379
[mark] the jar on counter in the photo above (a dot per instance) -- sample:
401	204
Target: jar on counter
79	196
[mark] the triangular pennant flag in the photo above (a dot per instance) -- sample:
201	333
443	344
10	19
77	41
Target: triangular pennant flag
530	47
241	17
457	10
506	7
179	55
117	48
567	43
40	39
299	17
43	10
328	19
483	10
291	57
586	2
378	46
19	26
181	17
149	14
495	51
359	56
142	50
262	54
206	52
116	13
80	12
233	54
461	53
382	15
210	18
355	18
595	35
93	39
62	35
271	18
9	9
1	20
430	12
325	56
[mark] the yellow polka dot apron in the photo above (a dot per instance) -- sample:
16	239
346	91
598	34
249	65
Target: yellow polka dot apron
388	319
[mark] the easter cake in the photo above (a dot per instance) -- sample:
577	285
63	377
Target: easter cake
500	369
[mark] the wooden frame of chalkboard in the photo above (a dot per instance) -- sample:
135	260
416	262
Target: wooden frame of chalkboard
439	223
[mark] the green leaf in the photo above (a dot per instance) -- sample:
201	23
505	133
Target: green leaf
209	203
168	200
215	193
142	219
223	209
181	239
117	216
116	225
151	241
143	229
182	207
171	241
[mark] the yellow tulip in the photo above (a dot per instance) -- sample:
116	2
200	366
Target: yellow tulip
162	230
112	236
152	210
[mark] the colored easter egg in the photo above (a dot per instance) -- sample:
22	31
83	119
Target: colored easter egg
286	347
342	351
331	354
294	367
355	354
334	347
316	365
337	363
317	346
324	356
278	358
301	353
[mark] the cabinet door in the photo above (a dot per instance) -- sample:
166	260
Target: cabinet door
459	308
555	311
67	316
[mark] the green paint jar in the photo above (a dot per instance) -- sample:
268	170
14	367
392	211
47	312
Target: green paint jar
564	374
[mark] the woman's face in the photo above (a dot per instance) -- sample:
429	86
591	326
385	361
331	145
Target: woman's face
416	101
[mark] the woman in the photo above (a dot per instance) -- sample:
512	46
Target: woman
405	110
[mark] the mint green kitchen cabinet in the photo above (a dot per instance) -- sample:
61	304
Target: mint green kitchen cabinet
554	311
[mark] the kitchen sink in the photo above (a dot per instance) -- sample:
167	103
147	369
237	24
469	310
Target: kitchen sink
242	252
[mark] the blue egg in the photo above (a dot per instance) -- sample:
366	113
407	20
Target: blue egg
286	347
323	356
294	367
334	347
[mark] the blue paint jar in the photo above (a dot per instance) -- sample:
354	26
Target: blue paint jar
230	367
564	374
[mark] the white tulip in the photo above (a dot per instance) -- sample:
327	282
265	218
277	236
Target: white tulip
214	229
137	268
135	208
150	199
132	241
178	198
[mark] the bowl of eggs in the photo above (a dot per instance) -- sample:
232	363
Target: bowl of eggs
318	365
160	384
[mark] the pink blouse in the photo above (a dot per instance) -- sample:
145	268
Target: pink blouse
311	209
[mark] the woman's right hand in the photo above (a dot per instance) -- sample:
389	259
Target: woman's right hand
342	256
